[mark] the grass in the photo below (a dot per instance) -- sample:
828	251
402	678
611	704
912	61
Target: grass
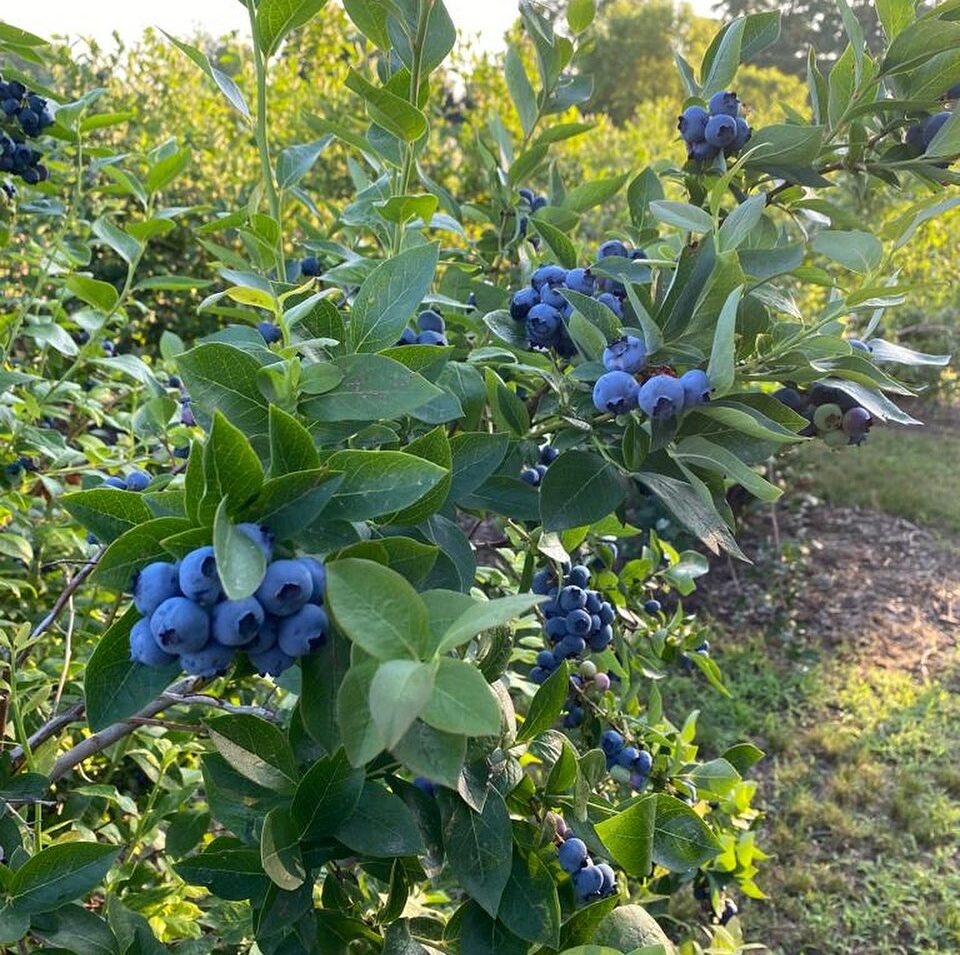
911	472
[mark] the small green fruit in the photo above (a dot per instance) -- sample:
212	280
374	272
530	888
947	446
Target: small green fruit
828	417
588	669
836	439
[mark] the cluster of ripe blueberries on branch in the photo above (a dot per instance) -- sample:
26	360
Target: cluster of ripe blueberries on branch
921	134
430	330
590	881
530	203
832	414
28	115
544	310
717	129
186	618
546	456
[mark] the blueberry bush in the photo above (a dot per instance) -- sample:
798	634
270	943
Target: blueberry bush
341	628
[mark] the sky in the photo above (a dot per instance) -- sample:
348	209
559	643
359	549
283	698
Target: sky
487	19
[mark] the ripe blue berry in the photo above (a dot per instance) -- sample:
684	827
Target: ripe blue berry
548	454
579	623
616	392
530	476
744	132
431	338
726	103
303	631
572	598
548	275
613	247
547	660
266	637
407	337
789	397
538	675
155	583
570	646
692	123
199	579
236	622
721	131
702	152
574	717
542	581
144	649
318	574
611	301
572	855
270	333
661	397
212	660
271	662
602	638
931	126
430	320
115	482
543	324
285	588
579	576
180	626
629	354
522	302
696	388
310	266
424	785
652	606
137	480
606	612
588	882
609	879
627	755
550	296
611	743
556	628
528	196
856	423
580	280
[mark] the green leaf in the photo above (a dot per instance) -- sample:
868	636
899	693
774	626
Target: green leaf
697	451
228	868
596	313
74	929
559	243
277	18
59	874
126	246
291	445
461	701
589	194
379	482
327	794
722	59
784	145
587	337
854	250
547	704
99	294
107	512
401	209
721	370
481	934
530	907
256	749
740	222
581	489
380	826
681	839
280	850
580	14
395	114
433	754
134	549
475	457
521	92
399	692
742	756
114	687
296	161
226	85
628	836
361	737
716	776
479	847
433	446
377	609
241	563
231	470
682	215
485	615
370	18
291	502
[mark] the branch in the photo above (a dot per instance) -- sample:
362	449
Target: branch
201	699
50	728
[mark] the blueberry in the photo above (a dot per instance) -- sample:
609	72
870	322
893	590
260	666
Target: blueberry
144	649
431	338
643	763
303	631
547	660
696	388
828	417
574	717
543	323
273	662
522	302
92	538
310	266
430	320
556	628
692	123
548	454
931	126
661	397
407	337
213	660
613	247
182	453
266	638
702	152
616	392
572	598
859	345
318	574
153	584
236	622
729	911
580	280
611	301
270	333
856	422
607	613
579	576
611	742
725	103
261	536
285	588
137	480
186	415
570	646
542	581
538	675
579	623
629	354
744	132
721	131
609	883
550	296
179	625
538	203
627	755
652	606
530	476
594	603
588	881
424	785
527	195
548	275
790	397
199	579
116	482
602	682
601	639
572	855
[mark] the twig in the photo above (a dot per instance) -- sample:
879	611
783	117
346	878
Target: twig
201	699
67	652
50	728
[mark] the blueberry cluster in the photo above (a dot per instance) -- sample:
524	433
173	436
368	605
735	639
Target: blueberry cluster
920	135
32	116
576	618
270	333
430	330
135	480
530	203
15	468
544	310
832	414
545	458
187	618
586	679
186	409
590	881
310	267
717	129
626	763
617	391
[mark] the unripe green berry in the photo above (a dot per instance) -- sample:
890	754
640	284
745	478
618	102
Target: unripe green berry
835	439
828	417
588	669
621	774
